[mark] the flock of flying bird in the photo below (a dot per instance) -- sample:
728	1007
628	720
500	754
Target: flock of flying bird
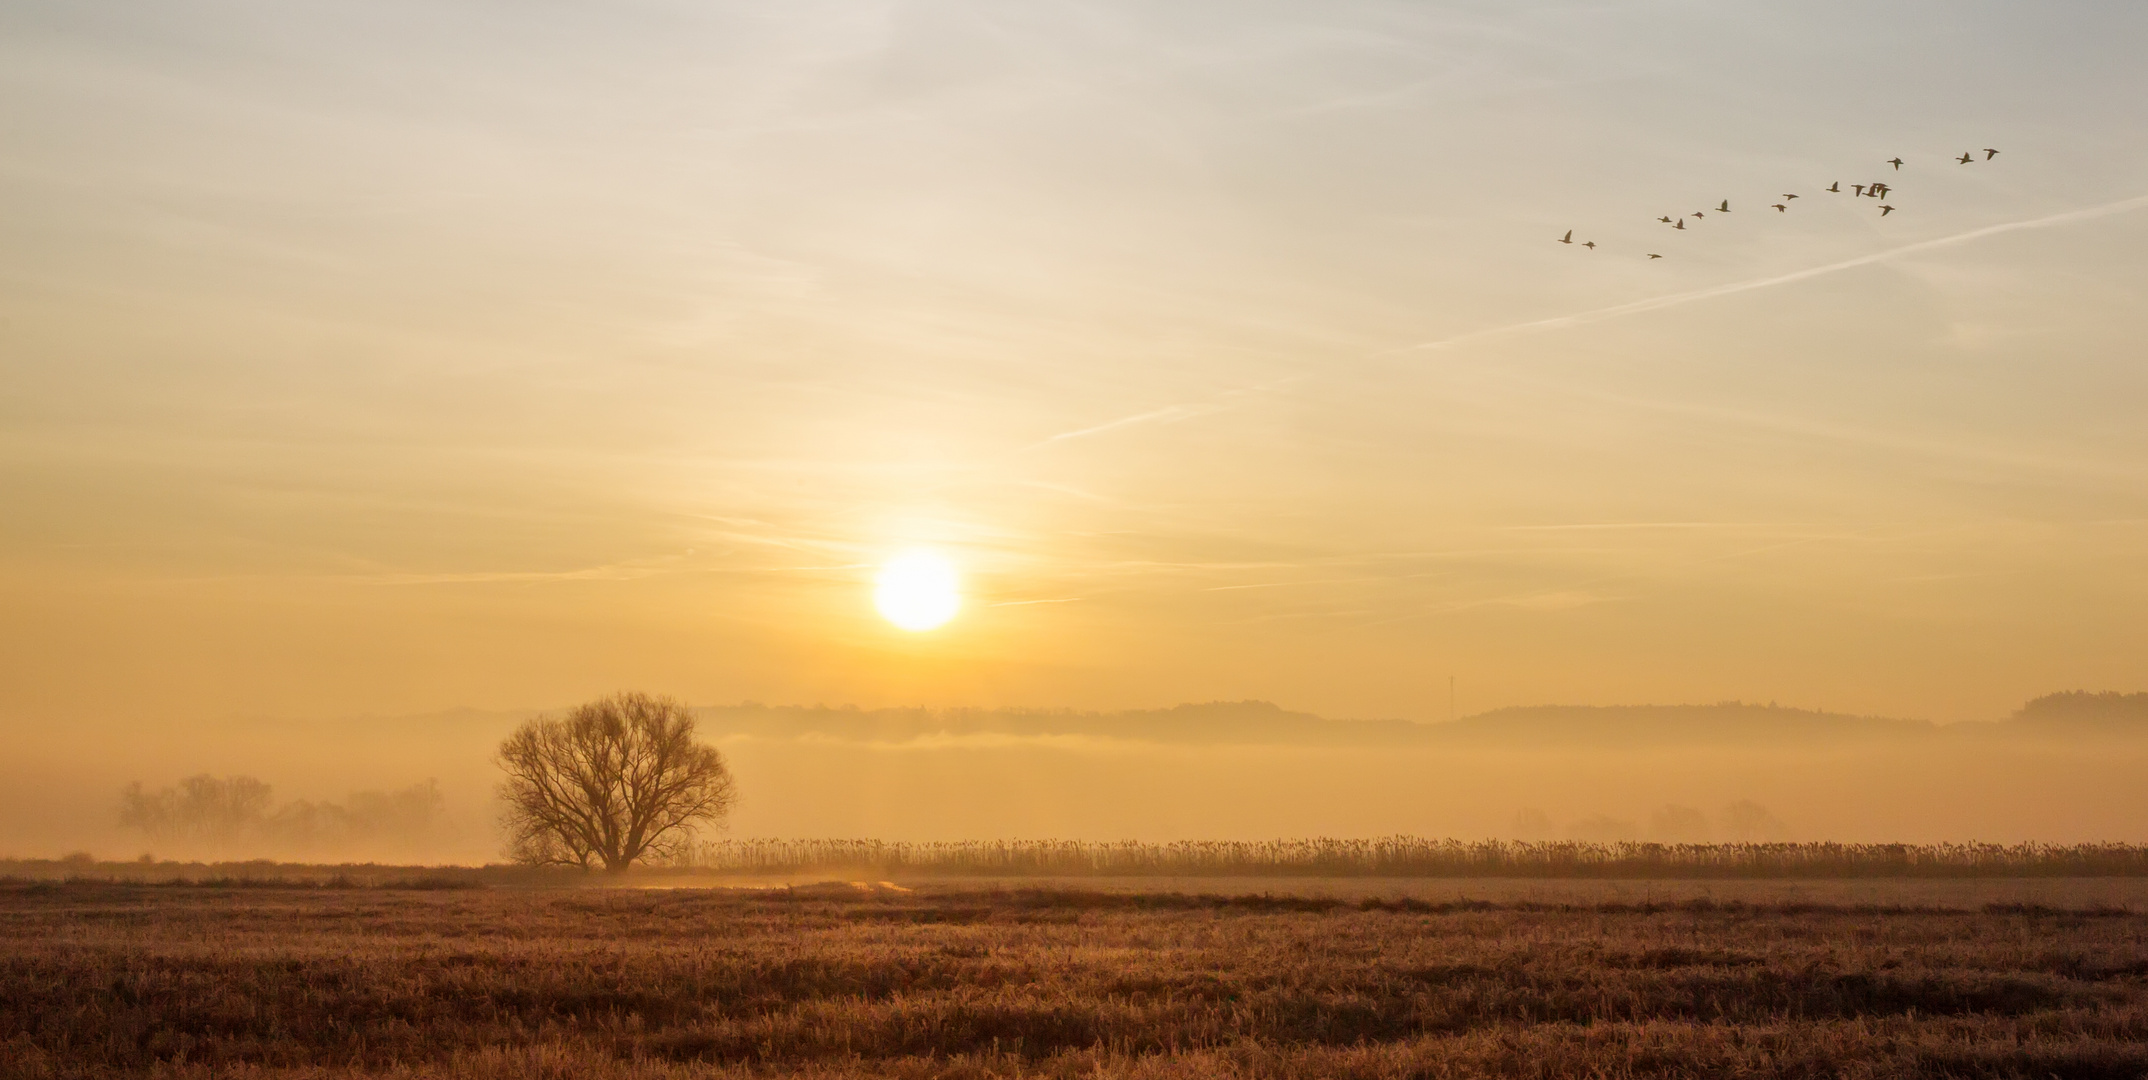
1874	190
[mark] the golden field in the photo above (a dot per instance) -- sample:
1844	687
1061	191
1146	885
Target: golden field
843	980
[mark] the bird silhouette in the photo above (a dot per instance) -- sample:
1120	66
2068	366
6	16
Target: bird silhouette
1990	153
1876	190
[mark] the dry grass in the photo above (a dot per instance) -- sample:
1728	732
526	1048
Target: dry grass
105	979
1394	857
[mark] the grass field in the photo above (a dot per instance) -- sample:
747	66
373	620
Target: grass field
100	979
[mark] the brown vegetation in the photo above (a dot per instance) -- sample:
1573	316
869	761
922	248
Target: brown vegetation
1393	858
1410	856
843	981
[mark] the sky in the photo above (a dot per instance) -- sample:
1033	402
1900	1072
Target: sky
392	357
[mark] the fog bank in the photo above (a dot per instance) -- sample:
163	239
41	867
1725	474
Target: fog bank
2064	769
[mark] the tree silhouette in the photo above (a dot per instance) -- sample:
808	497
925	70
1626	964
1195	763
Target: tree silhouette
611	782
204	815
1748	821
198	812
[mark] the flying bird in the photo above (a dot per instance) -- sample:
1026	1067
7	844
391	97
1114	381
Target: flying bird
1653	255
1990	153
1591	244
1698	214
1859	188
1780	208
1664	220
1725	208
1896	162
1965	159
1568	238
1879	191
1680	225
1885	210
1787	196
1836	186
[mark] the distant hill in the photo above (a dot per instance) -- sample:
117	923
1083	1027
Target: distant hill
1724	723
1253	723
1264	723
1215	722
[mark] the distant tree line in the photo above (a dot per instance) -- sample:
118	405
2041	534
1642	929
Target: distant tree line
2082	708
206	814
1405	856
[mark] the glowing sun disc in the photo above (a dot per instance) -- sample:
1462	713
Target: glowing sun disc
916	591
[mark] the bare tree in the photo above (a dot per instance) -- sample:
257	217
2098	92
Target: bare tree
613	781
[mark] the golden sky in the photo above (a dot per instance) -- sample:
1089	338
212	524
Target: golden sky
396	356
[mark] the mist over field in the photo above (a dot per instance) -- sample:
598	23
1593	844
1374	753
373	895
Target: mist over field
419	788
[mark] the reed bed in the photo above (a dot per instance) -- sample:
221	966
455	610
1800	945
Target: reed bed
1406	856
1390	857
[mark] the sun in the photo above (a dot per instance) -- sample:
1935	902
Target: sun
917	590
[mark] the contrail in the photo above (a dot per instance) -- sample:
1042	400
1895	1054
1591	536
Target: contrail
1659	302
1171	412
1168	413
